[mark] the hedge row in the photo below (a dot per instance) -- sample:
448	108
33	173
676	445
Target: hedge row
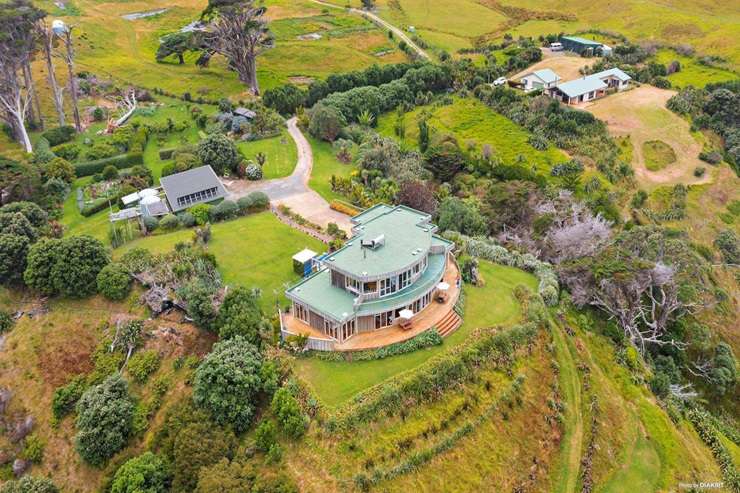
121	161
165	154
484	346
97	205
428	338
423	456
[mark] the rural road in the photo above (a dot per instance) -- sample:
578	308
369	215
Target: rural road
382	23
293	191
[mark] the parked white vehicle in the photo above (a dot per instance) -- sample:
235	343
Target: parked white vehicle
500	81
556	47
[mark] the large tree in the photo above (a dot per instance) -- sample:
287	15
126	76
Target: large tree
176	44
228	381
104	420
146	473
17	43
240	33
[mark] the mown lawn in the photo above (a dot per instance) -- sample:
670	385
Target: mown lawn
326	164
252	251
473	123
280	151
492	304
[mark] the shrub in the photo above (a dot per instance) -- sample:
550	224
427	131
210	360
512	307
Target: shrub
101	150
110	172
104	420
114	281
151	223
254	201
227	382
288	413
69	266
65	397
253	172
343	208
42	152
168	169
728	244
699	171
37	216
61	169
6	321
13	255
218	152
201	213
712	157
29	484
59	135
226	209
33	449
69	151
147	473
165	154
265	436
326	122
97	205
169	222
186	219
143	364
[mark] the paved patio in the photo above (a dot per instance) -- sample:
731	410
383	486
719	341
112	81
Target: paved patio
433	315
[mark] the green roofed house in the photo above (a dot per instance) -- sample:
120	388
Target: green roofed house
393	279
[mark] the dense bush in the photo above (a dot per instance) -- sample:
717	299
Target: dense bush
37	216
287	410
728	244
483	248
104	420
226	209
169	222
60	168
29	484
121	161
59	135
67	266
254	201
69	151
65	397
150	223
13	254
146	473
201	213
241	315
186	219
114	281
142	364
219	152
227	382
6	321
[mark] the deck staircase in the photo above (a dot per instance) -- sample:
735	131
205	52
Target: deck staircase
449	323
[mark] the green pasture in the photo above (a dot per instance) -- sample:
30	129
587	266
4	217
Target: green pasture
692	72
475	124
487	306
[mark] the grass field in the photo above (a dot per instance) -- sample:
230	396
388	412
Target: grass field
472	122
252	251
280	151
657	155
111	46
326	164
493	304
692	72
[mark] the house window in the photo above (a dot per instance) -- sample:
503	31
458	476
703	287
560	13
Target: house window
300	312
370	287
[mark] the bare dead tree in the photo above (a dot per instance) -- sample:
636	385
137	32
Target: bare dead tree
46	37
17	41
642	304
64	31
127	102
240	34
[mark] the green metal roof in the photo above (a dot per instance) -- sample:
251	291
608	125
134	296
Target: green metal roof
583	41
407	238
317	292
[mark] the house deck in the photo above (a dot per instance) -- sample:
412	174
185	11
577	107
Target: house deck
434	315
